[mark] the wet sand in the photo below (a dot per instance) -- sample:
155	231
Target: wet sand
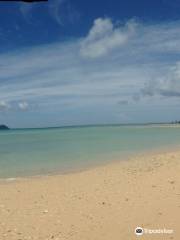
104	203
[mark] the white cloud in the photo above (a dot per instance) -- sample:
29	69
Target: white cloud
51	8
54	10
167	85
23	106
26	10
61	11
104	37
13	106
4	105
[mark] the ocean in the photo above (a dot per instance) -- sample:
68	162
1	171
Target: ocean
29	152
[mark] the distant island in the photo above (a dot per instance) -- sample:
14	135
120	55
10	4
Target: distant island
4	127
175	122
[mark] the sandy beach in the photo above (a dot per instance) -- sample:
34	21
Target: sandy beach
107	202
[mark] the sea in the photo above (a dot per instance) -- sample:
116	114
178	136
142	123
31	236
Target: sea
32	152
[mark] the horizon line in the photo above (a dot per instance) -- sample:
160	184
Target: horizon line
95	125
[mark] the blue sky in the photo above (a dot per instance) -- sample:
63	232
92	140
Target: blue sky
85	62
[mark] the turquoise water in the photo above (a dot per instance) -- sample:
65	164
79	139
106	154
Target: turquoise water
42	151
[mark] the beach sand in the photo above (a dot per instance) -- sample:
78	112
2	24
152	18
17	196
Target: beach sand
104	203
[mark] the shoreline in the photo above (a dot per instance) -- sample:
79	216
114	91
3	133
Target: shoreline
123	159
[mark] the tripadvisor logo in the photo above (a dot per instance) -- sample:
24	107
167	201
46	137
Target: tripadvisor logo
139	231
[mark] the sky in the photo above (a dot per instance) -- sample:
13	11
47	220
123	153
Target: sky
65	62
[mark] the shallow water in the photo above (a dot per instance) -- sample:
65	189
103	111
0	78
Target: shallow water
29	152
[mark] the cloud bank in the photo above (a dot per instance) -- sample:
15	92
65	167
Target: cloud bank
131	70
